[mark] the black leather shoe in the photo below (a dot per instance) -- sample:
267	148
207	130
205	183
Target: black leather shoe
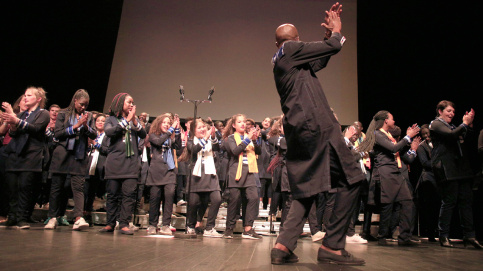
382	242
280	257
368	237
345	259
105	229
408	243
444	241
473	242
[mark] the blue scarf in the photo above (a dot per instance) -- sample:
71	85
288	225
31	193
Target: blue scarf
168	154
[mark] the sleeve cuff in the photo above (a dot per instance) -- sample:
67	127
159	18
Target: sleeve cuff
408	139
171	130
411	152
177	131
69	130
124	124
247	140
22	124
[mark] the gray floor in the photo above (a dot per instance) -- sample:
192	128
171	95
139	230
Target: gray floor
63	249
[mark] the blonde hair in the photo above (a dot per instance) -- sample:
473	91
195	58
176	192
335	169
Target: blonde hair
39	93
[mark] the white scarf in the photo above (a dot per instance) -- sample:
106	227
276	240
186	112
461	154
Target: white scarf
205	154
95	156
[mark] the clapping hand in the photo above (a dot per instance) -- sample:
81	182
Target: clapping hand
332	20
413	130
469	117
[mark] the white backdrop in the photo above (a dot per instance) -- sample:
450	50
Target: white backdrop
227	44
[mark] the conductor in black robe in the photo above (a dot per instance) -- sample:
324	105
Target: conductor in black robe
317	158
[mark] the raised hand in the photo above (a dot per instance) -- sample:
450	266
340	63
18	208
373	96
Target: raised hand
7	107
415	143
413	130
331	15
131	115
469	117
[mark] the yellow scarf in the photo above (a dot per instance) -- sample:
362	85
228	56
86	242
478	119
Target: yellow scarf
398	158
252	160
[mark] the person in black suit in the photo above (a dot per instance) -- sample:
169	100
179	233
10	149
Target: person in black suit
452	170
426	189
387	173
72	129
25	153
317	157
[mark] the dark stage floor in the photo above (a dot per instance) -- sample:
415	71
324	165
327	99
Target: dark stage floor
62	249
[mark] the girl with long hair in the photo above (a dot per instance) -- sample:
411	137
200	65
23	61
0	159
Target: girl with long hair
72	130
164	137
122	166
387	173
203	185
242	149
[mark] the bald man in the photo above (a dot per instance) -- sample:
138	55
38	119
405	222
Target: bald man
317	158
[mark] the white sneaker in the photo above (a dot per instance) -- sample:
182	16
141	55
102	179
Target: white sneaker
212	233
80	224
190	231
318	236
151	230
52	224
165	230
133	227
117	225
173	229
355	239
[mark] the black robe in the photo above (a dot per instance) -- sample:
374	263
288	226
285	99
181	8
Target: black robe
309	124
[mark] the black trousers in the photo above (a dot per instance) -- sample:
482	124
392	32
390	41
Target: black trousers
456	194
121	198
197	200
321	211
405	217
59	195
250	194
20	186
91	186
429	206
336	225
160	193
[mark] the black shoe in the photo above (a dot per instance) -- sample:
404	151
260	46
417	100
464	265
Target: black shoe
472	241
228	234
444	241
251	234
280	257
199	230
9	223
382	242
345	259
105	229
23	225
368	237
408	243
32	220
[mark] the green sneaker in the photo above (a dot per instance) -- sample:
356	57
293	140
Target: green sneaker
63	221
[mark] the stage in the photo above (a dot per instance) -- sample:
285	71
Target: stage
63	249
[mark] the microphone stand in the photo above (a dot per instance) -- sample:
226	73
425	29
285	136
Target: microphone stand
192	128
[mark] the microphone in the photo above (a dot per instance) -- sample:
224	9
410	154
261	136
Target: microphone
212	90
181	93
